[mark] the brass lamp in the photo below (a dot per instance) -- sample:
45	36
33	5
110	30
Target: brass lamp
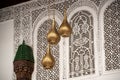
53	36
65	29
48	60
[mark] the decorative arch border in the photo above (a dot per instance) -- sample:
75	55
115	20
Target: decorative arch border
45	14
38	22
101	38
80	3
72	10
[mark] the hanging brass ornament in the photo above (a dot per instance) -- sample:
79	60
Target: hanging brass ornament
48	60
65	29
53	36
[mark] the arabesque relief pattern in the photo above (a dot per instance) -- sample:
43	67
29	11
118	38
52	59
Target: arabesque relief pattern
82	45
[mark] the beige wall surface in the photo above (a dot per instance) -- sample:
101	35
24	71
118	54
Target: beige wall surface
6	50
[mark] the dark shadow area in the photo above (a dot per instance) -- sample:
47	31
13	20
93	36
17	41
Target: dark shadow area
7	3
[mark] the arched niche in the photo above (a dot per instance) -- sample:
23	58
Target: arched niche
109	34
83	45
41	26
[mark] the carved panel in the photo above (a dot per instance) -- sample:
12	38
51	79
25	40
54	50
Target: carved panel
112	36
81	3
22	26
60	6
26	27
43	74
36	13
97	2
82	45
17	27
6	14
30	5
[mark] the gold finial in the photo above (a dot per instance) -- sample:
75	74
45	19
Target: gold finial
48	60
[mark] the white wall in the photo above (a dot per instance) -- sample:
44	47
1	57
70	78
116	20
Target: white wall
6	50
113	76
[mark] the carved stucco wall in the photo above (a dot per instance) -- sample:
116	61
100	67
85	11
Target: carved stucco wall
43	74
112	36
82	45
28	14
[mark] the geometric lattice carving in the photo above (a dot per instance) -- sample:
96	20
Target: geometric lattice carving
43	74
97	2
82	45
36	13
60	6
112	36
6	14
26	28
17	27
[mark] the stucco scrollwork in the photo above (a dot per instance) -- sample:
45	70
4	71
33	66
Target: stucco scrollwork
82	42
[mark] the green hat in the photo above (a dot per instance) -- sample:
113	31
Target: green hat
24	52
